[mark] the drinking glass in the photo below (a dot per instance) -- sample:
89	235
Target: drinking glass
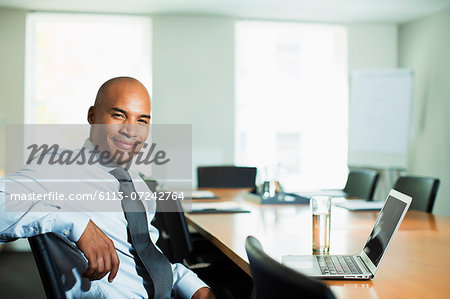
321	214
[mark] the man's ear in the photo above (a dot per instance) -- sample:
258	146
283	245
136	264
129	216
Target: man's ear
90	115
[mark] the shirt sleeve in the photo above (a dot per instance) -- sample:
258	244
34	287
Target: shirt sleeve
185	282
15	225
21	218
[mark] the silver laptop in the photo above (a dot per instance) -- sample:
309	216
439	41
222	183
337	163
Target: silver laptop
364	265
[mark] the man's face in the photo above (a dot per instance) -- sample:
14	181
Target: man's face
120	120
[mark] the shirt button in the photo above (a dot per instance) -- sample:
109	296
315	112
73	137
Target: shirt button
66	232
36	229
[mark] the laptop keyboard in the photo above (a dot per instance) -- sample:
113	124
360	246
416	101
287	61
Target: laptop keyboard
335	265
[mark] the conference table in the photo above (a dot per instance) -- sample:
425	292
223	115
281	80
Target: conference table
416	264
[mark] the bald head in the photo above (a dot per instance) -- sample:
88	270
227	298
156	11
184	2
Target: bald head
123	103
115	85
121	93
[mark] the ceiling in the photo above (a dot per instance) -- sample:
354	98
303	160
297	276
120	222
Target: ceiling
391	11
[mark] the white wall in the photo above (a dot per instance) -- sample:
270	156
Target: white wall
12	73
424	46
372	46
12	86
193	82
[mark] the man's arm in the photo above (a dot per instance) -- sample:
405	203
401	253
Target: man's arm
100	251
23	216
24	219
30	220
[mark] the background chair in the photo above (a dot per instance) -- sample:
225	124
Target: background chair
226	177
423	190
273	280
175	239
195	252
198	254
361	183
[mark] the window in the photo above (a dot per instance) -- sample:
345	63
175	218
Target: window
70	55
291	102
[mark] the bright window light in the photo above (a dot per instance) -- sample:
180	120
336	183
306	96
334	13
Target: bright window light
70	55
292	103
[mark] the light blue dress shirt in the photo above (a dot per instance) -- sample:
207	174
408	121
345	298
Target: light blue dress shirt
69	221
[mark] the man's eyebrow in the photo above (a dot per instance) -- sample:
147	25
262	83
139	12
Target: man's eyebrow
124	112
119	110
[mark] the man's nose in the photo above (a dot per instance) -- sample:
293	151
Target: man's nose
131	130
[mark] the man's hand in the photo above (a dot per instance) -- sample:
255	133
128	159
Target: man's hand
100	252
203	293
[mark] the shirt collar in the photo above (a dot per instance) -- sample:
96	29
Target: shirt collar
90	147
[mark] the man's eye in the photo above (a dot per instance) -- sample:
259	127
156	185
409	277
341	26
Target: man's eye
118	115
143	121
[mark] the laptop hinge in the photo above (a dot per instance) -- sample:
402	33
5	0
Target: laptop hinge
361	261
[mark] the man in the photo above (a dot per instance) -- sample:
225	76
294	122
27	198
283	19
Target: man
117	266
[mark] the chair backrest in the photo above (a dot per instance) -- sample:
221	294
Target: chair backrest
46	265
423	190
175	239
226	177
174	227
361	183
273	280
54	256
158	221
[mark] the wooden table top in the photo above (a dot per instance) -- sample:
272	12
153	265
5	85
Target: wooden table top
416	264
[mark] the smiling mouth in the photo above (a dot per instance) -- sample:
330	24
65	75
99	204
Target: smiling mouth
125	145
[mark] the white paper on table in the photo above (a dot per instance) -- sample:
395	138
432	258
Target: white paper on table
197	194
223	205
361	205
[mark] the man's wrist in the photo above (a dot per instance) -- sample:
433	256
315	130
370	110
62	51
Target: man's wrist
203	293
71	225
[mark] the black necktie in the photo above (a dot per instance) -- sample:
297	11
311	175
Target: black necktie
156	264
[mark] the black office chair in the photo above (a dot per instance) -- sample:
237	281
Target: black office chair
51	253
198	254
174	237
226	177
361	183
175	240
423	190
47	267
273	280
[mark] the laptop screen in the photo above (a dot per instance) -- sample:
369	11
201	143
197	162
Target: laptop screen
384	229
